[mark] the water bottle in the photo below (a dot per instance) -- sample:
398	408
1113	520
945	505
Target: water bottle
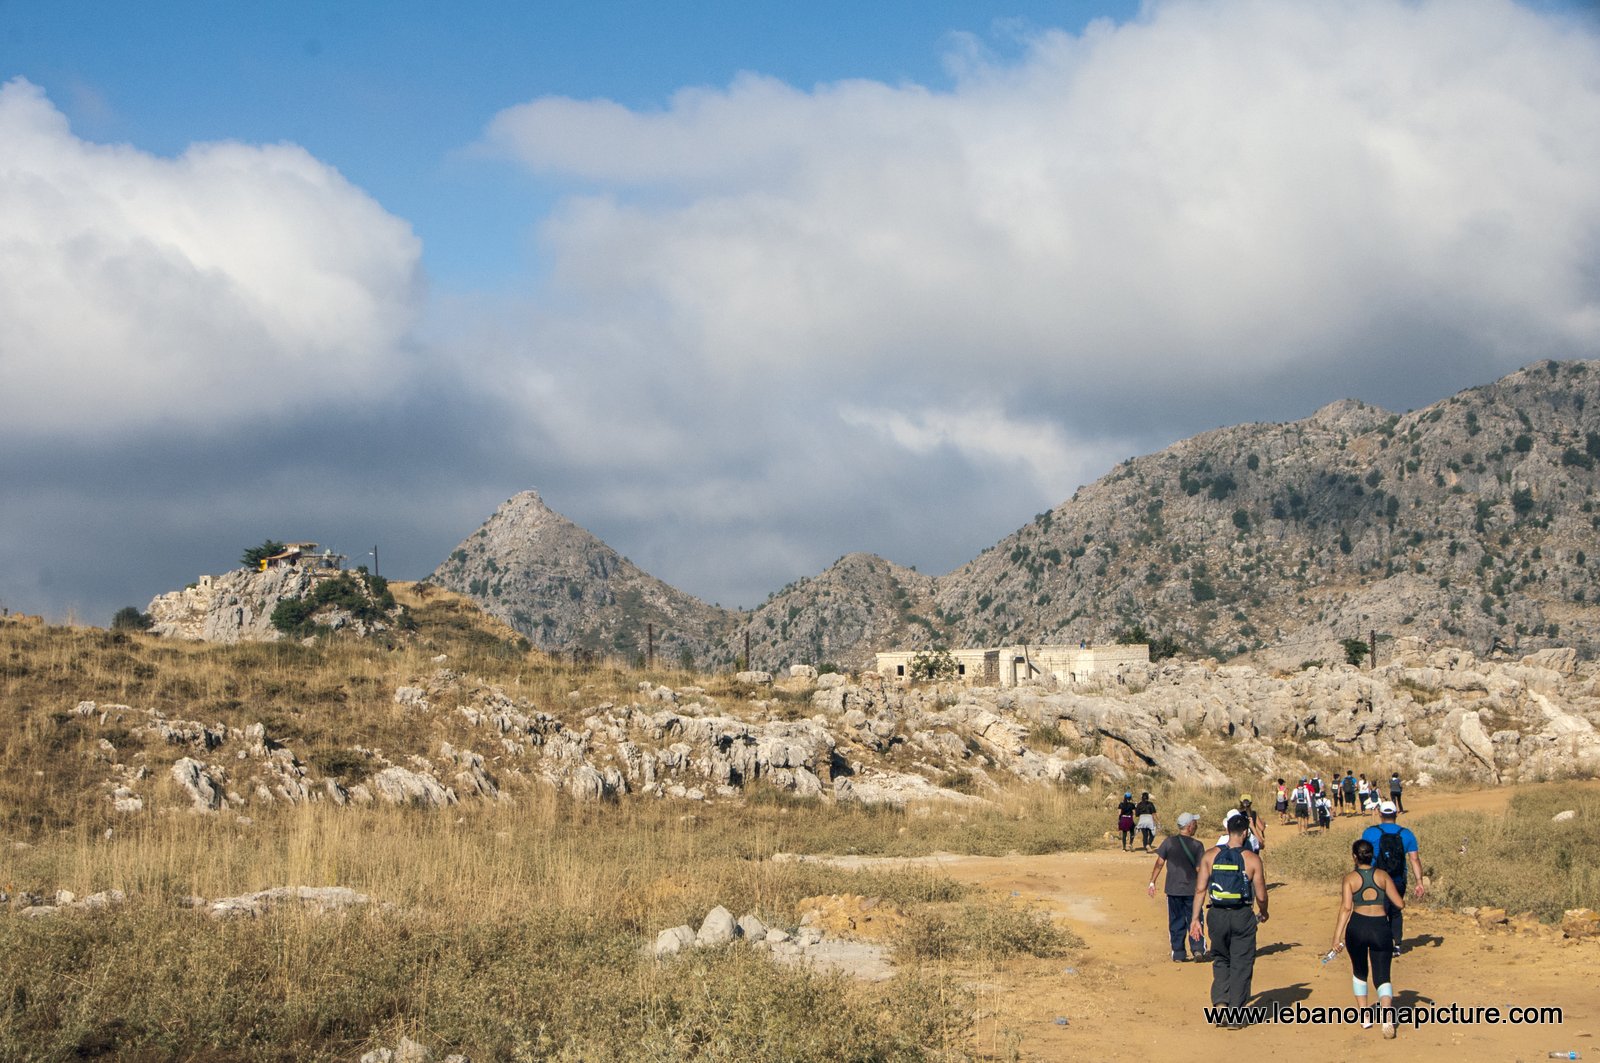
1564	1055
1330	954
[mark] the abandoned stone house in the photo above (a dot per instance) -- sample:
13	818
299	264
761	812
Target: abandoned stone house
1009	666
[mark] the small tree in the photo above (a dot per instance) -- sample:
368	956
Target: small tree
1355	651
932	664
129	618
253	557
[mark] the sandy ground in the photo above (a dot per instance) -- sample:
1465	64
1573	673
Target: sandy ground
1124	998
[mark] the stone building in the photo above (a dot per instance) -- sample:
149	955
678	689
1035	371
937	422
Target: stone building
1009	666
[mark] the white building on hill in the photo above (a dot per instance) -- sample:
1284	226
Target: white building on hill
1008	666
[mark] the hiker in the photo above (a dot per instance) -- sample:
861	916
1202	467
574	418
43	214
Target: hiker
1324	812
1363	791
1231	877
1184	852
1363	929
1350	791
1302	805
1125	821
1395	789
1395	847
1281	804
1337	789
1146	811
1258	829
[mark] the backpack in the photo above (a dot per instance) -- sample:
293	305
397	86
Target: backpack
1229	886
1391	854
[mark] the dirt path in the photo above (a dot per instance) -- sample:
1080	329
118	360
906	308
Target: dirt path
1124	998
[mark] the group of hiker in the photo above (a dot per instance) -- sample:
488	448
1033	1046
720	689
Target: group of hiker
1217	897
1311	802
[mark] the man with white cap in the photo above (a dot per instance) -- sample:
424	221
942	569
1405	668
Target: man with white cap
1394	847
1184	852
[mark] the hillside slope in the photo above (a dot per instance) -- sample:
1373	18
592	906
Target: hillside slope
1471	522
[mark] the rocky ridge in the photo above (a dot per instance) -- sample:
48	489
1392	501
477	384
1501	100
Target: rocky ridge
1470	522
238	606
1431	714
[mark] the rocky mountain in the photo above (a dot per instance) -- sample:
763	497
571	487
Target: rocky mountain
1470	522
566	590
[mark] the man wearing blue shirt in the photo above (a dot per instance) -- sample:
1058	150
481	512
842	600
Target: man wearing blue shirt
1394	859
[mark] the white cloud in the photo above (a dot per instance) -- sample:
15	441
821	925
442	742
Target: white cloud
985	436
1220	189
896	317
232	281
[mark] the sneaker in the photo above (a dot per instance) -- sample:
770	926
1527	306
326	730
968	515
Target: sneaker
1397	950
1388	1031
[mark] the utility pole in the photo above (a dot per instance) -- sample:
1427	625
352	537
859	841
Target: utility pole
649	645
1372	647
375	570
747	649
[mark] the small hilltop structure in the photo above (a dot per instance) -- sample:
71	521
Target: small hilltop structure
1020	663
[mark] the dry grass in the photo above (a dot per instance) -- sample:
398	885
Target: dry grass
1518	860
507	931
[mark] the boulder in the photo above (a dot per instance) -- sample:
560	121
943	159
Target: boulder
754	678
1580	923
719	928
202	789
1563	817
751	928
402	786
673	941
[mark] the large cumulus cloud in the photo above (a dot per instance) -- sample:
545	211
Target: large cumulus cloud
1119	225
232	282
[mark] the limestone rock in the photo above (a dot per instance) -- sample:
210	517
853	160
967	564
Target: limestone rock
751	928
401	786
1580	923
202	789
718	928
673	941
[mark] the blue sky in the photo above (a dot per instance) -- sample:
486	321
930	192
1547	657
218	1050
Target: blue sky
396	94
741	288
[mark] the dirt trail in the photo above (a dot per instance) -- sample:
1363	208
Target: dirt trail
1124	998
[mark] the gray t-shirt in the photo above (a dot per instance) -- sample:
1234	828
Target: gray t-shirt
1176	851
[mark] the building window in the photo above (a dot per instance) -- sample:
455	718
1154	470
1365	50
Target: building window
899	669
961	669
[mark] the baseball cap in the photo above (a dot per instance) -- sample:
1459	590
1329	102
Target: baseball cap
1386	807
1186	818
1244	799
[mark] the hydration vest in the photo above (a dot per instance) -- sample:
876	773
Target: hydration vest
1230	885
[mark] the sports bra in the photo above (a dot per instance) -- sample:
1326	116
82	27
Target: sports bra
1360	898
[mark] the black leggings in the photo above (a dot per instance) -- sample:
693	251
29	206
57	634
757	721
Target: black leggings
1369	934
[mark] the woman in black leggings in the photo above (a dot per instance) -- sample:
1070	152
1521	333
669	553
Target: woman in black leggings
1363	930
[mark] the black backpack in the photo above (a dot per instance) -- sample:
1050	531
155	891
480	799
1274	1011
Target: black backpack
1391	855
